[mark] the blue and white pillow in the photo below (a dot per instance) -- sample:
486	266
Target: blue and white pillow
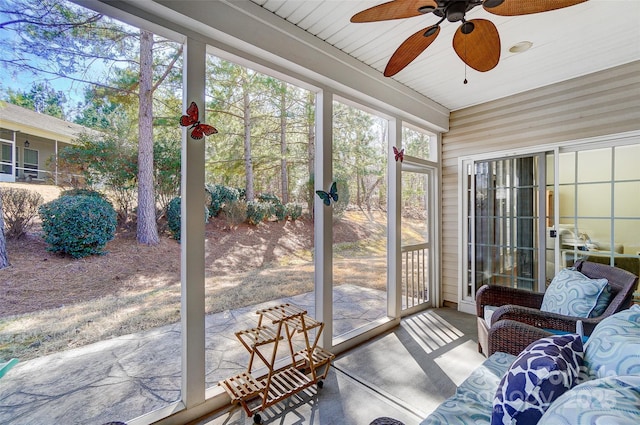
573	294
612	400
545	370
613	348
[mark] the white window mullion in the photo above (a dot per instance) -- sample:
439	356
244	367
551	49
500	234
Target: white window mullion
192	233
323	217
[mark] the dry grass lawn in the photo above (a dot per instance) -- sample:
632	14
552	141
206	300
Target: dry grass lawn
50	302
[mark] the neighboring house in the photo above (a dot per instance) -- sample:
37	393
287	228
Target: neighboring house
30	142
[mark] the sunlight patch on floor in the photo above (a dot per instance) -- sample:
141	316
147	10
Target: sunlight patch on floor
459	362
431	331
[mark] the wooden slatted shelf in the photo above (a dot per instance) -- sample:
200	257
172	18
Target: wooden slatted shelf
276	385
243	387
281	312
256	337
286	383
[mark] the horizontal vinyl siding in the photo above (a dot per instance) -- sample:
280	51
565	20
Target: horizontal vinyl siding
599	104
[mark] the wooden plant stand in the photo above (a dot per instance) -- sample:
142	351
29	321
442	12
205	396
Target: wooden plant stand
306	367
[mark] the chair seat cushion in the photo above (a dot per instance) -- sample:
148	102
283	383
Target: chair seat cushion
573	294
475	394
541	373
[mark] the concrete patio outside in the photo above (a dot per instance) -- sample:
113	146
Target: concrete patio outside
127	376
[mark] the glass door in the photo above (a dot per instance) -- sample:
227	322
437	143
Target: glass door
417	236
506	222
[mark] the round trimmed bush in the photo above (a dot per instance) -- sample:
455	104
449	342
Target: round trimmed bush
83	192
78	225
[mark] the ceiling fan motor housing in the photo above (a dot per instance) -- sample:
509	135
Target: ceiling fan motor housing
454	10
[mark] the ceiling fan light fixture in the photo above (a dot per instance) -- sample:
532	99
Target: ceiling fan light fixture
430	31
467	27
426	9
520	47
492	3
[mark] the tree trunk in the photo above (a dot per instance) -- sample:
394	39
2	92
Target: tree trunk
4	259
248	162
147	230
283	144
311	148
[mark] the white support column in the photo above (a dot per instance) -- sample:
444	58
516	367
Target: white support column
394	195
192	233
323	217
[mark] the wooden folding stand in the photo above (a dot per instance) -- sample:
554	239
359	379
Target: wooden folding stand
306	367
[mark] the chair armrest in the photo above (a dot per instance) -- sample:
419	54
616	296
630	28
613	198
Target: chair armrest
542	319
509	336
501	295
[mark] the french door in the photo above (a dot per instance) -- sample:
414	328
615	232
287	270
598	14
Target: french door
505	229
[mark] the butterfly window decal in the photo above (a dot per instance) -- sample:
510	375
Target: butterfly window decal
198	129
399	154
328	197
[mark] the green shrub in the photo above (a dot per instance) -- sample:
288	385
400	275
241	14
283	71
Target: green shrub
280	211
20	206
235	213
257	212
78	225
270	198
83	192
220	195
173	217
294	211
275	205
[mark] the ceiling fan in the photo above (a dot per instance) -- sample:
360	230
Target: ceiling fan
476	41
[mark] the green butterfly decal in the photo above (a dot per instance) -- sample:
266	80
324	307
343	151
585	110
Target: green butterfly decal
331	195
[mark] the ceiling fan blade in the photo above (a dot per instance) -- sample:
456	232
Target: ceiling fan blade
480	49
409	50
396	9
519	7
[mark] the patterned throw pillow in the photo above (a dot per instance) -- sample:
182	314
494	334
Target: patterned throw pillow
614	346
602	303
612	400
540	374
573	294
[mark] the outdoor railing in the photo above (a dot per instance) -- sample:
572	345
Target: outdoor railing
415	275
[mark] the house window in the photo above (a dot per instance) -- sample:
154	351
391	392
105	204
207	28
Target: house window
5	158
30	163
599	216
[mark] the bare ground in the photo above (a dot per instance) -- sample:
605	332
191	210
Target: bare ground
50	302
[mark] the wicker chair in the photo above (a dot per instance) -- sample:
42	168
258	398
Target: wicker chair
523	320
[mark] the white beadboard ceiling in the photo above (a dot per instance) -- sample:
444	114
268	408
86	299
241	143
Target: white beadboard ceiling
567	43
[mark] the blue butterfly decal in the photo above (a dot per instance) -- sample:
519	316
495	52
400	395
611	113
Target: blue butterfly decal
328	197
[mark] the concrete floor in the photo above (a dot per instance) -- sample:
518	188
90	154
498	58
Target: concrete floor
403	374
